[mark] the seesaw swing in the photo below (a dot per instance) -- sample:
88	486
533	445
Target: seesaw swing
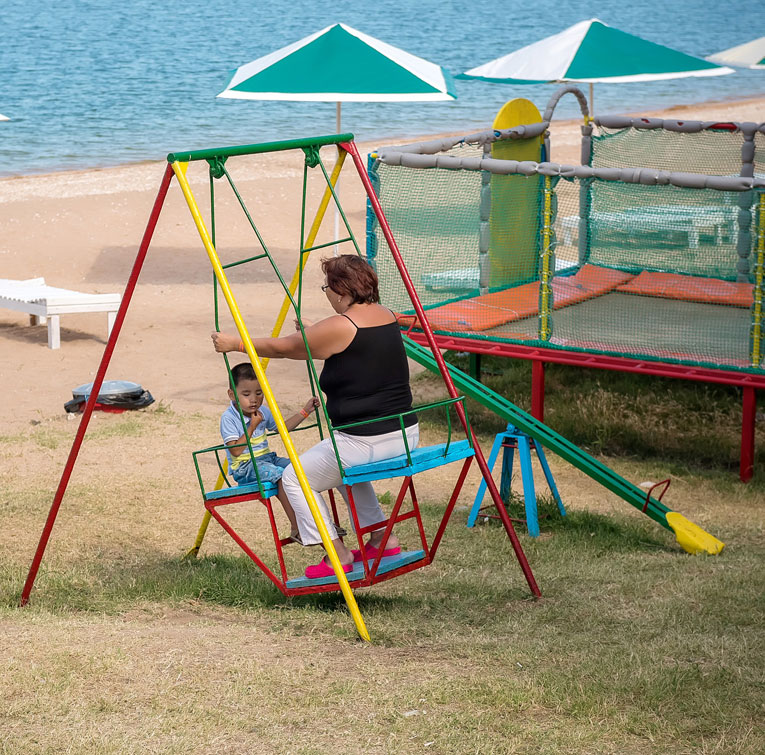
406	466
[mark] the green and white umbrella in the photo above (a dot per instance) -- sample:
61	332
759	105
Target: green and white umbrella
749	55
340	64
593	52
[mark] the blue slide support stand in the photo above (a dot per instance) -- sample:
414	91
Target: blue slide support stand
508	441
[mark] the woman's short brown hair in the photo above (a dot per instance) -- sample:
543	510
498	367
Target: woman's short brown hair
350	275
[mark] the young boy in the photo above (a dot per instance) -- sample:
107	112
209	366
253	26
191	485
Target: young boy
257	421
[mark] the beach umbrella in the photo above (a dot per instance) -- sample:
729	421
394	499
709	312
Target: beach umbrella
340	64
593	52
749	55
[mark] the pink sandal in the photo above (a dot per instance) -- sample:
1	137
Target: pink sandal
373	553
324	569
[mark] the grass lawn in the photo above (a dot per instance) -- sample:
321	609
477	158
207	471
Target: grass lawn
635	647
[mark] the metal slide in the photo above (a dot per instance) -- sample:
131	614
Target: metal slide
689	535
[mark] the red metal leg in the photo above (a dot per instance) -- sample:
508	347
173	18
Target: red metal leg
213	509
749	414
392	519
450	508
352	150
277	539
97	382
333	504
538	390
418	518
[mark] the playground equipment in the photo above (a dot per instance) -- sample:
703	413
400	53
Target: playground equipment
412	462
507	443
647	257
689	535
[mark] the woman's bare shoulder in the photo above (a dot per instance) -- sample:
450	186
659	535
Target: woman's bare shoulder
330	336
369	315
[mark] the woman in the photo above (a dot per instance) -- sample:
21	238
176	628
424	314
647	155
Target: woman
365	376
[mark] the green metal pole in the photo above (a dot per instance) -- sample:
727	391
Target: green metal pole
254	149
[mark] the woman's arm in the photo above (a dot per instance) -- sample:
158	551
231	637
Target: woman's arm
325	338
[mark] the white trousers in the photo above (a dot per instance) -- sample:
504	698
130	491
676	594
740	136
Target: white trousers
322	472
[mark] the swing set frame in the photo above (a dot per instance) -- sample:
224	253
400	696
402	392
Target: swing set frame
373	571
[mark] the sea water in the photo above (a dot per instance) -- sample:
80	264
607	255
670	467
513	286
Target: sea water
92	83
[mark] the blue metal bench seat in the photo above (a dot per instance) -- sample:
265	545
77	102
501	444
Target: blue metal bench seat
269	489
387	564
425	457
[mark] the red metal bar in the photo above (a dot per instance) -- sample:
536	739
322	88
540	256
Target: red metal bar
653	487
357	528
333	504
418	518
598	361
748	416
211	506
538	390
350	147
450	508
277	539
97	382
392	519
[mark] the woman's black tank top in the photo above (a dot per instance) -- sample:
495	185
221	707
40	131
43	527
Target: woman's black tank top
369	379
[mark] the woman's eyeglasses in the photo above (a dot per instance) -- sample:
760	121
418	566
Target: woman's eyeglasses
325	287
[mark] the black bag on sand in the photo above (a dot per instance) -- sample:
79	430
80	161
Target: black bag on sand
115	395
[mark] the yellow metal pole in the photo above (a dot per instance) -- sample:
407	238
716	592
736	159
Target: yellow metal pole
759	272
312	233
180	173
545	288
194	552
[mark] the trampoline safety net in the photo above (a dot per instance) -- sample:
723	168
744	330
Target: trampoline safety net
664	272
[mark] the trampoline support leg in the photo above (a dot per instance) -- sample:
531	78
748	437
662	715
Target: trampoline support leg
538	389
475	365
749	413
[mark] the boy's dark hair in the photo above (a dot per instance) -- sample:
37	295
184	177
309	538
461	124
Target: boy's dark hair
243	371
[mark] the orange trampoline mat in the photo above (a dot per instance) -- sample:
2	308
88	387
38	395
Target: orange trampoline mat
512	304
492	310
688	288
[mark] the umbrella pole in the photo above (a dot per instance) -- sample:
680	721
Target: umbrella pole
338	106
592	102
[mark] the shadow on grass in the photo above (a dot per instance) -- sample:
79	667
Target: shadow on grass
577	528
223	580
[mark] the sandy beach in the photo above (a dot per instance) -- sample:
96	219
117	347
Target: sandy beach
81	230
636	647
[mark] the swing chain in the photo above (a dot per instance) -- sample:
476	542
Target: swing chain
217	163
311	156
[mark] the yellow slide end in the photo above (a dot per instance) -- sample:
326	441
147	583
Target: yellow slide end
691	537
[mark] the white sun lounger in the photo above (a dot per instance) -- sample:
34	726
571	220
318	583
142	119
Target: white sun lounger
43	302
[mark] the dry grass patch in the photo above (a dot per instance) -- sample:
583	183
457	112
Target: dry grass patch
636	646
